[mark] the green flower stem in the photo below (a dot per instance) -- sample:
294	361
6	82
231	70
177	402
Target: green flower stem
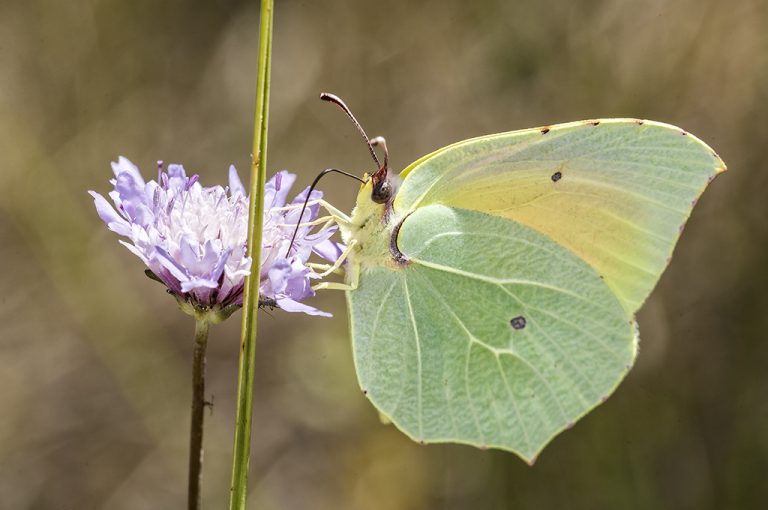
198	408
242	447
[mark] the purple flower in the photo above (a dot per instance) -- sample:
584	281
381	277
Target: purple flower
285	277
193	239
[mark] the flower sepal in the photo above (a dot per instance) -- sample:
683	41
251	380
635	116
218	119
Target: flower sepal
153	276
215	314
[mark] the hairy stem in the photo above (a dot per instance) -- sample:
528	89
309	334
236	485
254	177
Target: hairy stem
198	408
242	446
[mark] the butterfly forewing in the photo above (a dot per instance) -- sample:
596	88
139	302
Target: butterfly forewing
615	192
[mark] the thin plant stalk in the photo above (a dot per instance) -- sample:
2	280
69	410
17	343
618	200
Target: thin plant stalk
242	441
198	409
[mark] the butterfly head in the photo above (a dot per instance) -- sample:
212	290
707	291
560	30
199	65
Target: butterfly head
374	200
381	192
376	190
379	187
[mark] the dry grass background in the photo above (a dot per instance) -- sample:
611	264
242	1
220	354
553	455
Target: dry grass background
95	358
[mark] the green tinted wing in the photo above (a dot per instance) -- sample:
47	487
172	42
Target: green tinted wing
615	192
492	335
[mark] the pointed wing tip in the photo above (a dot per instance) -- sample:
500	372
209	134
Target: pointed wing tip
721	166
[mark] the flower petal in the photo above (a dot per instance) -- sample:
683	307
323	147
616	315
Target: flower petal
171	265
131	194
282	182
109	216
289	305
235	186
329	250
198	283
135	250
124	166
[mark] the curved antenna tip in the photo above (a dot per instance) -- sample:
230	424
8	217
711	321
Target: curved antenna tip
331	98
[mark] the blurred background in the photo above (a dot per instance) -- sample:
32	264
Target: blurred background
96	358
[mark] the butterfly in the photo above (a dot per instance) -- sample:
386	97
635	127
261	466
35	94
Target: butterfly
492	286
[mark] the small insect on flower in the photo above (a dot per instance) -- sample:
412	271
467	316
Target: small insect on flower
193	239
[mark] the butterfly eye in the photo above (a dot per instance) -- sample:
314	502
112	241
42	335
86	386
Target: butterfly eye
381	192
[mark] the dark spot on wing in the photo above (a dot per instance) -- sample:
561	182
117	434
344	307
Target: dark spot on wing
544	131
557	176
683	133
640	122
518	322
595	122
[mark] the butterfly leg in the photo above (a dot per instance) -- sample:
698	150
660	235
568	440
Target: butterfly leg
339	261
322	267
352	285
328	220
353	273
333	286
338	216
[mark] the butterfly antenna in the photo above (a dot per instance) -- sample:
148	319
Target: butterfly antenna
309	193
338	102
379	140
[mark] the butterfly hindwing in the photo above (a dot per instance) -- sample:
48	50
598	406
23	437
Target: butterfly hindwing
491	334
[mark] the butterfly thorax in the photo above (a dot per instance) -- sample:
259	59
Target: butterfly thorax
371	228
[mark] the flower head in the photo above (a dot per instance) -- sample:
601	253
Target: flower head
193	239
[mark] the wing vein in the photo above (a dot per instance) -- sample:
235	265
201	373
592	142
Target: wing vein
418	355
498	281
514	403
469	393
555	345
516	355
575	326
374	337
